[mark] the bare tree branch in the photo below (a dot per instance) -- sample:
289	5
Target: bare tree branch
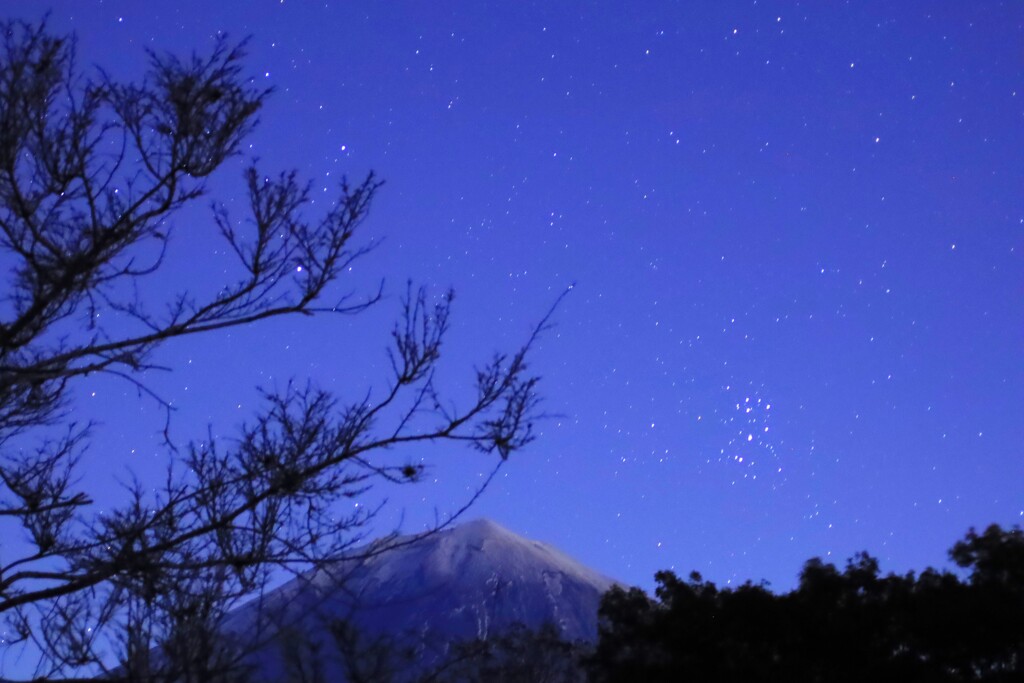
91	173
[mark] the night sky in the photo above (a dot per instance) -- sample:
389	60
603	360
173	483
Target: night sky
795	229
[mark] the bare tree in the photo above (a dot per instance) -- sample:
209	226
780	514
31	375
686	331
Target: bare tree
91	171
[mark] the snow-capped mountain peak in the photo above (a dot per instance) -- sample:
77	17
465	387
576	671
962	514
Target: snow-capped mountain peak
474	580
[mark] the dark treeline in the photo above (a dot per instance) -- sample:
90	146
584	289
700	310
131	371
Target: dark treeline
850	624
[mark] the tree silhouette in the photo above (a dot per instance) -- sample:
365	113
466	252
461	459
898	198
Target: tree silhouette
91	172
836	626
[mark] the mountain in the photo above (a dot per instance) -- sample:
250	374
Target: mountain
411	602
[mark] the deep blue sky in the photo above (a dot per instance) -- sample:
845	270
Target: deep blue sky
796	230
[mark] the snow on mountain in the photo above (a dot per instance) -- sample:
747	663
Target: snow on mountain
474	580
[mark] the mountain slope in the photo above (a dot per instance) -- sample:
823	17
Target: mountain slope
411	602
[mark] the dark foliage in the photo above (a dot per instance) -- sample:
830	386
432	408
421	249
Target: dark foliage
838	625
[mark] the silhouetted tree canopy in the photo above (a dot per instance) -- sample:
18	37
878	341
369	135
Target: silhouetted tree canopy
852	624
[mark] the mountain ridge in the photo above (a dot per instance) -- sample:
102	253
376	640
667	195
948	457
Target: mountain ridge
475	580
